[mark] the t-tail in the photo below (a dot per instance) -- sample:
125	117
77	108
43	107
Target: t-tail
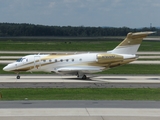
130	44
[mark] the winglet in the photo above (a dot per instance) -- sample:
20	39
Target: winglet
131	43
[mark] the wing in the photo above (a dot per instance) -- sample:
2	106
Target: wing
77	69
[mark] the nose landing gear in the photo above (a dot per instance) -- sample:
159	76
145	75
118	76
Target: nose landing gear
18	76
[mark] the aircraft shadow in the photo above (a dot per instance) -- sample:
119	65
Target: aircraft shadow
88	79
95	79
114	78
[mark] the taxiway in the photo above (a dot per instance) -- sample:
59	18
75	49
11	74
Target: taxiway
99	81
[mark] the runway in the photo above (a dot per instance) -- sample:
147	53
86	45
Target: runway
80	110
98	81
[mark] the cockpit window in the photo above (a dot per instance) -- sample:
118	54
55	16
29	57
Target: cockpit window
19	60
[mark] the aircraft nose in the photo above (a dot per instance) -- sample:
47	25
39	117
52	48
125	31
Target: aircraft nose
6	68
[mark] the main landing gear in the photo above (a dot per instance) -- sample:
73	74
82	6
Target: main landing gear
82	76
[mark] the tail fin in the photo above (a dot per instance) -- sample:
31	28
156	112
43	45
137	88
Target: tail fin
131	43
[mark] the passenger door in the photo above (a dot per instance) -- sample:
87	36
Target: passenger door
37	62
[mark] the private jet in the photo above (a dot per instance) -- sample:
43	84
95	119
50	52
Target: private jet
80	64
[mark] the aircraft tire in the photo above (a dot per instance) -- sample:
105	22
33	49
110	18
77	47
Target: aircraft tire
84	77
18	77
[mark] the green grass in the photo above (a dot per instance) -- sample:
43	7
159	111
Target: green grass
81	94
56	46
74	45
14	54
150	46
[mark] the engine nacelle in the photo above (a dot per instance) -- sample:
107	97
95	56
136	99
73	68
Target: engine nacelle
109	58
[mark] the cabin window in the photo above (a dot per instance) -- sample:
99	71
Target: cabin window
55	60
67	60
44	60
72	60
80	59
61	60
50	60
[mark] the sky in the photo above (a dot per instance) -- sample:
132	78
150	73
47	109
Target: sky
93	13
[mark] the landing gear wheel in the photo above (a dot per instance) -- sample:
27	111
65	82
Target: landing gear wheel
84	77
18	77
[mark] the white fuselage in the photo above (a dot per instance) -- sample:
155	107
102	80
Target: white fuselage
63	63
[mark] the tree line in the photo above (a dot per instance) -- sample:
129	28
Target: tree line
16	29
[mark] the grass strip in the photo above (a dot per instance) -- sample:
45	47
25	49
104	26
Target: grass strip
81	94
80	45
